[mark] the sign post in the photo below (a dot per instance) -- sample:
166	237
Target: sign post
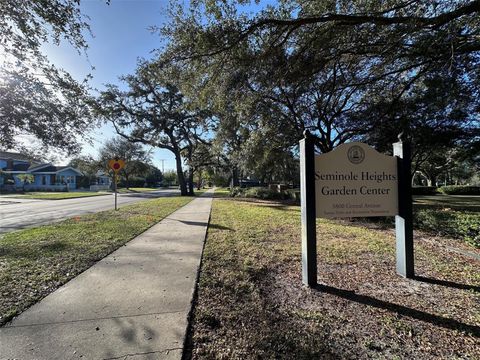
115	188
404	219
354	180
307	194
116	165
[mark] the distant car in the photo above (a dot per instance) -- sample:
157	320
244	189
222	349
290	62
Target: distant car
249	183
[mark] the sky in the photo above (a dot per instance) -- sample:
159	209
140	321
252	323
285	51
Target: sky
120	37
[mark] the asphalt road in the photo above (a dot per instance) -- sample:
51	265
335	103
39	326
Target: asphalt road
18	214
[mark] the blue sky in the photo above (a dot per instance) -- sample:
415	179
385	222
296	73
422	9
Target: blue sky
120	37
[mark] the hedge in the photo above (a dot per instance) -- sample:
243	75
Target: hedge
262	193
134	182
460	190
424	190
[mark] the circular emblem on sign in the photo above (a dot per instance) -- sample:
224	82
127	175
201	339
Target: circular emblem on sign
116	164
356	154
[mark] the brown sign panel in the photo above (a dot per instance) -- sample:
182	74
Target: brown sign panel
355	180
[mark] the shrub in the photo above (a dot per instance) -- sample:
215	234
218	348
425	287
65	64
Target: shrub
259	193
84	181
132	182
237	192
469	226
460	190
293	194
264	193
424	190
461	225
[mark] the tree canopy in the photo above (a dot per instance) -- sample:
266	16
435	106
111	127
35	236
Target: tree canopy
345	70
137	159
36	97
152	111
237	84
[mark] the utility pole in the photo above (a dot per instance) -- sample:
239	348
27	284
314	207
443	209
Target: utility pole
163	165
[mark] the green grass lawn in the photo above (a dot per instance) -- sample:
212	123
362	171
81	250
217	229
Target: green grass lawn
222	192
252	304
34	262
56	195
200	192
457	216
456	202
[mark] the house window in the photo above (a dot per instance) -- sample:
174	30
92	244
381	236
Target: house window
68	179
44	180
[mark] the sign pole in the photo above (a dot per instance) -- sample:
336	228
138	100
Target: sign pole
115	187
116	165
404	219
307	193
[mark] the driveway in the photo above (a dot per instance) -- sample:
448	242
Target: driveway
17	214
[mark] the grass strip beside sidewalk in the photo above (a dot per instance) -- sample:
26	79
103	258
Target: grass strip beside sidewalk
252	304
56	195
34	262
135	190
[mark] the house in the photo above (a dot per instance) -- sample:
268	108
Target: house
103	181
44	176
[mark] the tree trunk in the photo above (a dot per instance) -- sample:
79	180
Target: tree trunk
199	184
180	175
190	182
235	181
431	180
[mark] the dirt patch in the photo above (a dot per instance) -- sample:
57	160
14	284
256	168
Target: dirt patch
368	311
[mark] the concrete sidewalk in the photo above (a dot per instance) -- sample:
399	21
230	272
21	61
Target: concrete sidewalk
133	304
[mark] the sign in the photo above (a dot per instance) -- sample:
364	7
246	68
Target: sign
355	180
116	165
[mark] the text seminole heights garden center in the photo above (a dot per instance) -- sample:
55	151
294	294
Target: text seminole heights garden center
351	177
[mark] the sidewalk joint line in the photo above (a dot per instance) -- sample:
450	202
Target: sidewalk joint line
142	353
92	319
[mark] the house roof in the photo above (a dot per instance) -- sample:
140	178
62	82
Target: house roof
14	156
49	168
62	168
43	168
33	167
101	173
21	167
